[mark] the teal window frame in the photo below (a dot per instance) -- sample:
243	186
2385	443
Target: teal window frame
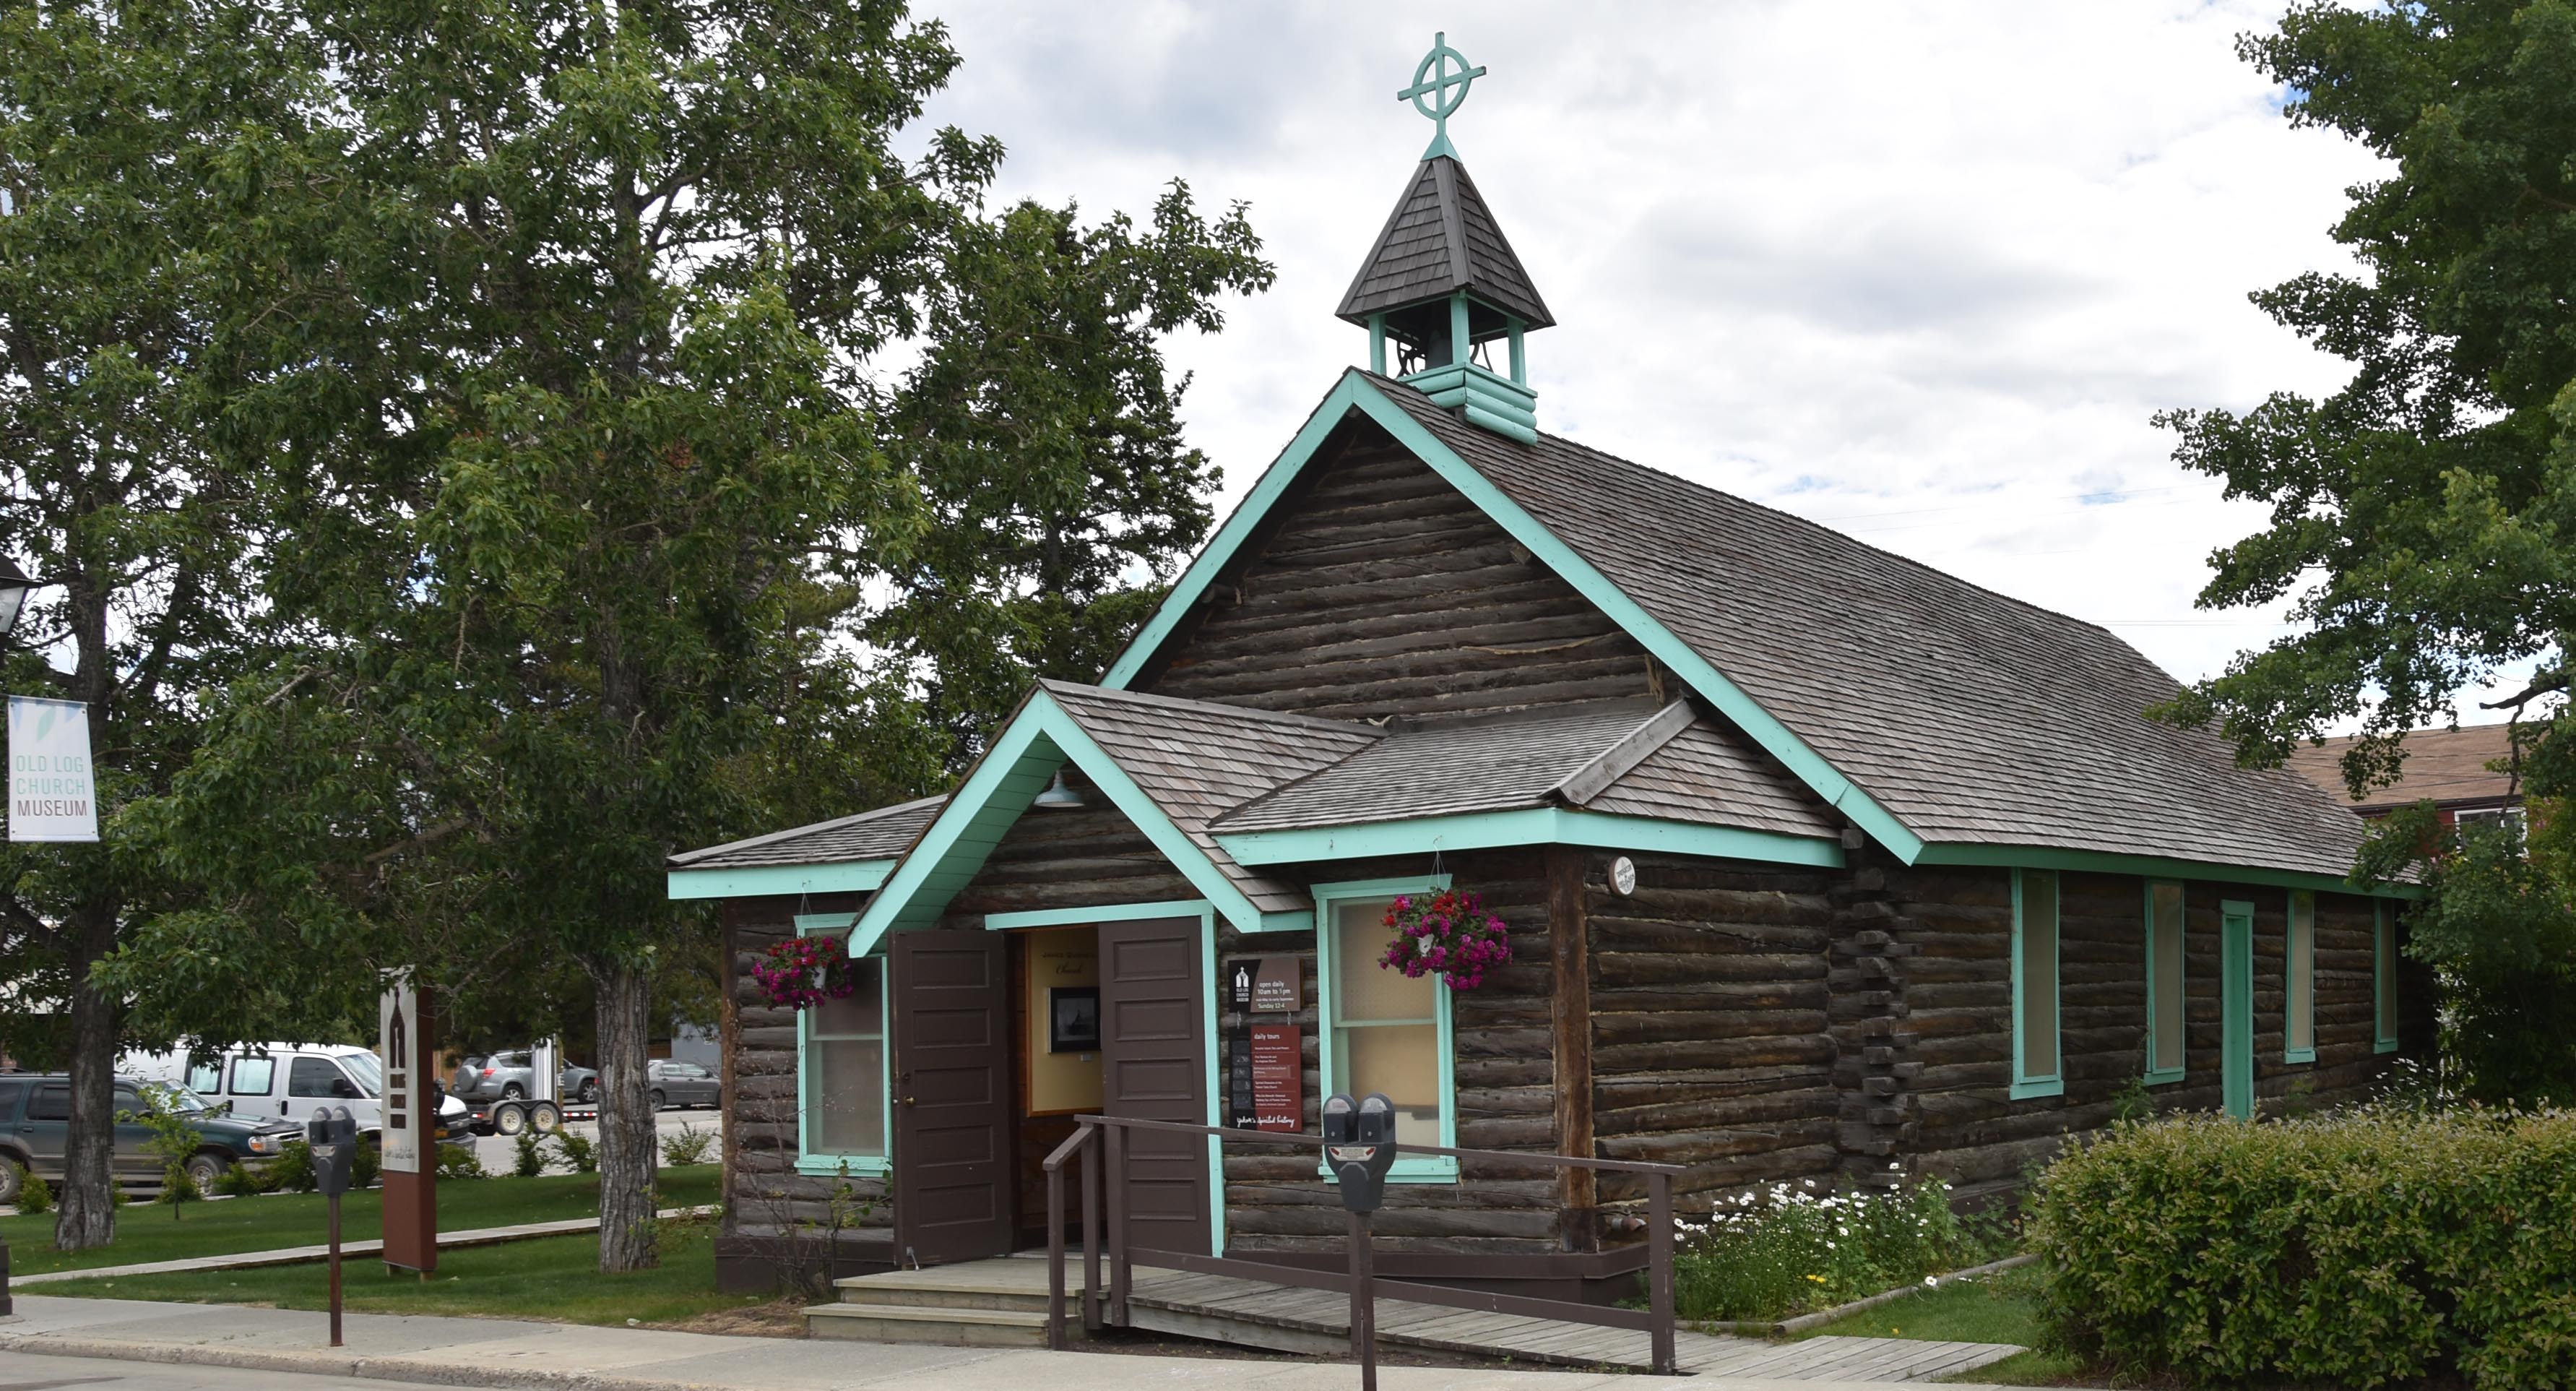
2155	1076
1409	1168
809	1160
2299	997
2026	1085
2383	978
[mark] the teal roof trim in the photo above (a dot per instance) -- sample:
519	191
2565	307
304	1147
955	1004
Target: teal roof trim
1537	826
1038	740
2153	867
1355	392
757	881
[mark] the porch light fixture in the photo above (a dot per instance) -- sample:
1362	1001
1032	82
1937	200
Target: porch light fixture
14	586
1058	796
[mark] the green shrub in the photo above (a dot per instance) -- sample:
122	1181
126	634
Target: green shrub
460	1162
2359	1249
580	1151
174	1142
292	1170
35	1195
366	1164
240	1181
528	1155
688	1146
1767	1256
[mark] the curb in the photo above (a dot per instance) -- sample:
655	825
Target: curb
1782	1328
342	1364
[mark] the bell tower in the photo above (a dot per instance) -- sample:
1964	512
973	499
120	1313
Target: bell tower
1442	285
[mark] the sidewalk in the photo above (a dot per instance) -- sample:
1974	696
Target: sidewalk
568	1357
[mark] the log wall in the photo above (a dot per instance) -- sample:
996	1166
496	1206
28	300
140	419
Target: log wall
1381	591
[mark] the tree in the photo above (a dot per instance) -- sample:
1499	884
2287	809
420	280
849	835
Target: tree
2421	515
146	348
576	581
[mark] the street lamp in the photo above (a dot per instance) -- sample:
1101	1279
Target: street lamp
14	585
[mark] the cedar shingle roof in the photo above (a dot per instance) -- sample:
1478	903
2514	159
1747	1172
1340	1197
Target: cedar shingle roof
882	834
1197	760
1496	764
1969	716
1716	776
2442	765
1440	238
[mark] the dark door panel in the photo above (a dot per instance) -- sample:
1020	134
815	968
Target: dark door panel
1153	1053
952	1113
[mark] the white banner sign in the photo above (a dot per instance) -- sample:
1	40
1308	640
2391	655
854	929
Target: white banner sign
407	1108
51	794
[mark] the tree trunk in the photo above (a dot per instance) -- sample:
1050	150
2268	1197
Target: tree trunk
86	1216
626	1199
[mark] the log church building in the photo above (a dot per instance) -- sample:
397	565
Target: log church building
1815	863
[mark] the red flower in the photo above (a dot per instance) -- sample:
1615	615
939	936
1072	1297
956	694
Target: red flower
1450	936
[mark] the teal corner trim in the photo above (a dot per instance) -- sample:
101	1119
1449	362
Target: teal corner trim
2026	1085
2383	979
1106	913
1535	826
759	881
1409	1168
1039	738
807	1160
1356	393
2155	1076
2153	866
1214	1083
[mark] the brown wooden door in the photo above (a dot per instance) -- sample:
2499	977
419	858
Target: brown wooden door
952	1096
1153	1055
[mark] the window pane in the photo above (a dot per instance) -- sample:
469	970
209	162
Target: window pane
50	1103
846	1108
253	1076
9	1092
860	1014
205	1077
311	1077
2169	977
1401	1060
1364	990
2038	967
2301	1024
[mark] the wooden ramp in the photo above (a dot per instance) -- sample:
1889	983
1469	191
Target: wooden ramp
952	1304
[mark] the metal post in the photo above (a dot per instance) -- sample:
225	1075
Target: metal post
334	1204
1363	1304
1114	1174
1659	1268
1091	1162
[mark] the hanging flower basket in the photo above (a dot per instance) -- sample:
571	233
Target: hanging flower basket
1448	934
803	972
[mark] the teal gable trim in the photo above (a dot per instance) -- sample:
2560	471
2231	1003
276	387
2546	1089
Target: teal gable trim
1040	738
1536	826
1354	392
2151	866
855	876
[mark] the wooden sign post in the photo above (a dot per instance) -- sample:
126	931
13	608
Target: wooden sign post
408	1029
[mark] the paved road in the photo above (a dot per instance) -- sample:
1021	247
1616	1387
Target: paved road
496	1152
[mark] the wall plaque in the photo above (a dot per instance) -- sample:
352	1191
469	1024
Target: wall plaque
1278	1077
1278	985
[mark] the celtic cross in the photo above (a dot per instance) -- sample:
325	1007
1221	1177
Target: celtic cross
1439	89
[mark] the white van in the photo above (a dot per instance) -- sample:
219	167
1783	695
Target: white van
284	1081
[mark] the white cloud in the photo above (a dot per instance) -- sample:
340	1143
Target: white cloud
1920	270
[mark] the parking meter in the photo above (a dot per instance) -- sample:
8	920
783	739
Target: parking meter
332	1135
1359	1147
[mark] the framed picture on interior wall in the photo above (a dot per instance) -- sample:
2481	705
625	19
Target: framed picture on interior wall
1073	1019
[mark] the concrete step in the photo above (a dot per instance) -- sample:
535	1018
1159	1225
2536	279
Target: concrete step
981	1285
895	1323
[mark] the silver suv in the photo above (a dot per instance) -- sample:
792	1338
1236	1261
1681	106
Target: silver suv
511	1076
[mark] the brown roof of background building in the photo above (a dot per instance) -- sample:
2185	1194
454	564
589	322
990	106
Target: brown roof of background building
2442	765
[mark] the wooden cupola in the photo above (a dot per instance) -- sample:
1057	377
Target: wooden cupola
1442	283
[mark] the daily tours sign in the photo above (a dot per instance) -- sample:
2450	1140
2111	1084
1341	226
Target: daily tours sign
52	796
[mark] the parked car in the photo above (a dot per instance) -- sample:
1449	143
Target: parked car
511	1075
285	1081
677	1083
35	1122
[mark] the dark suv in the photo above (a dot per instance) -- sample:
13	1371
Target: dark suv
35	1118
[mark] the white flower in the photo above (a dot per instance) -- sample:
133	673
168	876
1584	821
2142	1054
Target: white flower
1931	1282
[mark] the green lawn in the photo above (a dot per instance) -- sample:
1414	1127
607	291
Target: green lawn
145	1232
1999	1308
554	1277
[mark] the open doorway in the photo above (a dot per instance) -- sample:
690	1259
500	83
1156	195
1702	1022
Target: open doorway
1055	974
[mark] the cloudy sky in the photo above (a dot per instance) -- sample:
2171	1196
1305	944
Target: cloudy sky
1921	272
